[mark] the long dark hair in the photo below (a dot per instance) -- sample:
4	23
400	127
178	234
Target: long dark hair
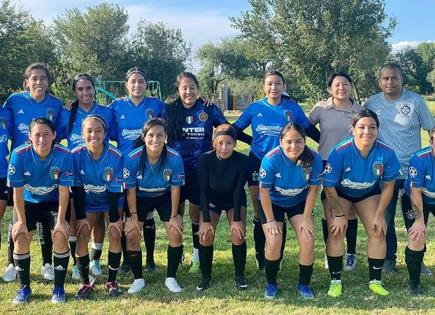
140	142
305	159
75	104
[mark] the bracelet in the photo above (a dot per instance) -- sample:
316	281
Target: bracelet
173	216
339	216
270	221
131	213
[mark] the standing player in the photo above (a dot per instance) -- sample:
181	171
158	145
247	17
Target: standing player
351	179
98	175
289	178
153	174
24	106
5	132
402	115
131	113
222	174
267	117
40	174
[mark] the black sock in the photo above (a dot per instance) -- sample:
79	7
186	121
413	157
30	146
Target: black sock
46	243
239	257
135	262
271	267
149	237
305	273
413	259
325	230
259	240
351	232
335	267
22	263
96	251
113	266
375	268
195	237
82	264
124	248
10	246
205	260
72	246
174	256
60	262
284	237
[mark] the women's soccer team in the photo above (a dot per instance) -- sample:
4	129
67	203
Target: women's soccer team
162	155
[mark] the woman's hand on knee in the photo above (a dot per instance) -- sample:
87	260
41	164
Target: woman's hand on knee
205	229
83	226
306	228
379	226
18	229
61	228
417	231
115	228
272	228
238	229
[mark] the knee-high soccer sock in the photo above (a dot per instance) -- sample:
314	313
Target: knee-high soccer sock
284	237
271	268
113	266
149	237
325	230
239	257
375	268
96	251
206	260
124	248
46	243
22	265
305	273
72	246
82	264
195	239
10	246
135	261
60	261
351	232
259	241
335	267
174	256
413	259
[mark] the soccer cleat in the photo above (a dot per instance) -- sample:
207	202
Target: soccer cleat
113	288
194	267
84	292
95	268
241	283
335	288
305	292
10	273
172	285
47	272
23	295
204	284
75	274
414	288
378	288
151	267
389	266
349	262
125	268
425	270
271	291
137	286
58	295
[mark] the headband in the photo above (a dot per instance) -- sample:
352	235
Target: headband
229	132
135	70
100	119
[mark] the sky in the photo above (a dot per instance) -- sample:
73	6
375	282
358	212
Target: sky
203	21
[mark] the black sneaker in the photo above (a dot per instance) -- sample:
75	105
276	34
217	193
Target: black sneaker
241	283
204	285
415	288
84	292
113	288
125	268
151	267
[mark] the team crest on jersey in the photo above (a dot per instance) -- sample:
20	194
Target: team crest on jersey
2	123
378	168
51	114
189	119
54	173
11	170
203	116
150	114
328	168
412	172
125	172
288	115
262	173
108	174
307	172
405	109
167	174
255	176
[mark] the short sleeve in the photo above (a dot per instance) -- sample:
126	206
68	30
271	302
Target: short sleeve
301	119
316	171
314	115
129	172
245	119
115	184
15	176
177	178
392	167
67	176
416	172
266	173
333	169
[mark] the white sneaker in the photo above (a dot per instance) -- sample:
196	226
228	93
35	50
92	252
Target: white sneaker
75	274
10	273
47	272
172	285
95	268
137	286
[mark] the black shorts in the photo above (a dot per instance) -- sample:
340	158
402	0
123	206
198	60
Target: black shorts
278	212
44	212
375	191
161	203
254	168
226	205
190	190
408	212
4	190
323	194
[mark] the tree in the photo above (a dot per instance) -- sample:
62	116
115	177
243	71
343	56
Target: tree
311	39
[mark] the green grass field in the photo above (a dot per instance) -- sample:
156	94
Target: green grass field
223	297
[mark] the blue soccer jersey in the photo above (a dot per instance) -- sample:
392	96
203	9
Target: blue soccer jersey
197	132
74	138
153	180
98	177
24	108
130	119
355	175
40	178
421	174
288	181
267	120
5	133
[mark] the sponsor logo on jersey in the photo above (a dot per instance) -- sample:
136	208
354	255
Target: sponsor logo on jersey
108	174
357	185
11	170
20	112
268	130
130	134
125	172
41	191
150	114
189	119
378	168
290	191
288	115
412	172
51	114
203	116
54	173
405	110
167	174
23	128
94	189
75	137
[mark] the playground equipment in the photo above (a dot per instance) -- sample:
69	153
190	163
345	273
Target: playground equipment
107	91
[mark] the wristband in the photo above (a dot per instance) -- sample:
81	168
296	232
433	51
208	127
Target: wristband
131	213
339	216
270	221
173	216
